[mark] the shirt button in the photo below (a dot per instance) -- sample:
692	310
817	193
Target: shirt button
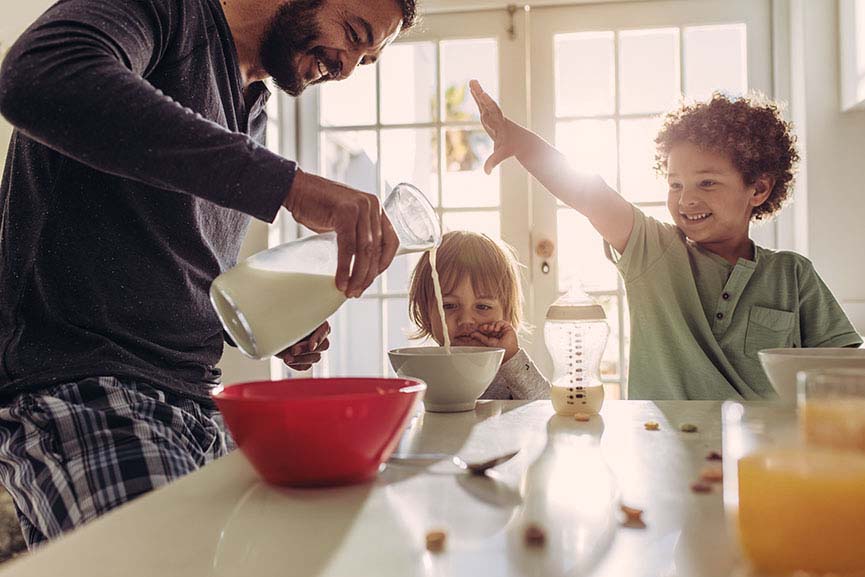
725	296
720	316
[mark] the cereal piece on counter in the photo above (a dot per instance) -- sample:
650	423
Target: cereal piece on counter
435	541
582	417
633	517
714	456
535	536
712	474
701	487
688	428
652	426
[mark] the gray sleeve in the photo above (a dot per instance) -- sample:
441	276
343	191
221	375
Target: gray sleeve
75	81
518	379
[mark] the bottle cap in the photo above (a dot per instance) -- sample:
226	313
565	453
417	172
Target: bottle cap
575	305
575	313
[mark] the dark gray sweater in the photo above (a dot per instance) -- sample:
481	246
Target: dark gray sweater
131	175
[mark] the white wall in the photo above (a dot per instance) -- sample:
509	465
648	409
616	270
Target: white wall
834	144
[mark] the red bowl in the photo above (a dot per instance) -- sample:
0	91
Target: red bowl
317	432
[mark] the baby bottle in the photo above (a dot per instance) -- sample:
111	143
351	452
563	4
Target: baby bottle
278	296
576	331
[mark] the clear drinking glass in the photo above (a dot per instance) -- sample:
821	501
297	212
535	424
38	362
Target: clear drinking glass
278	296
795	509
832	408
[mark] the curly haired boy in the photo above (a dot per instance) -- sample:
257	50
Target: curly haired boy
703	298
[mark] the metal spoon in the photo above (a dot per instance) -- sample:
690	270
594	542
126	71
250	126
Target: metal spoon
430	458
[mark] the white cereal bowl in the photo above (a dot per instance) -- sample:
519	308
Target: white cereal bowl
454	382
782	365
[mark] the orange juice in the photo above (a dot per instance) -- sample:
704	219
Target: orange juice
803	509
838	423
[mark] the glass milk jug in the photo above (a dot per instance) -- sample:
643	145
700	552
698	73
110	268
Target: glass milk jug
278	296
576	331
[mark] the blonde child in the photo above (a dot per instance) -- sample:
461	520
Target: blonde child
483	303
703	298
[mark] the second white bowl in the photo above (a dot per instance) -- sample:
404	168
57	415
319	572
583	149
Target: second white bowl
455	381
782	365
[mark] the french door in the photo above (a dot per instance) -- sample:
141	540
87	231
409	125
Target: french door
601	77
593	79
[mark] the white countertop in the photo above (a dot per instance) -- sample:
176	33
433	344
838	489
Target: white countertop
222	521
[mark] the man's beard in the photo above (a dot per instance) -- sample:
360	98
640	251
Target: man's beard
291	34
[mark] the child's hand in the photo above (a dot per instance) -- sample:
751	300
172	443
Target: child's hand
506	134
498	334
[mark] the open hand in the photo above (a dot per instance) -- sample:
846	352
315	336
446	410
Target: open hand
500	128
498	334
303	354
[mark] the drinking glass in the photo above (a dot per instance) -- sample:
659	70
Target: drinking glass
795	508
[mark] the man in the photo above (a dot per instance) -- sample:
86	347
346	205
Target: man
134	168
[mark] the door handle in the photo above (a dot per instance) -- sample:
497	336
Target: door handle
545	249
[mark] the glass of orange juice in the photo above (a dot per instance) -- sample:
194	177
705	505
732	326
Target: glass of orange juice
832	408
795	508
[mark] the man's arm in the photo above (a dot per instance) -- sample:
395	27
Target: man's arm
76	82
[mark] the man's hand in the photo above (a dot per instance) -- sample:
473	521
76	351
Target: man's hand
498	334
509	138
302	355
363	231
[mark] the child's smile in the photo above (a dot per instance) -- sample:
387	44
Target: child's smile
710	202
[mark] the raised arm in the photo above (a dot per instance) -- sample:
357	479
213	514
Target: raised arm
610	214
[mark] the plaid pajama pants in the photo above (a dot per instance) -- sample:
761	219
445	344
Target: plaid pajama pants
72	452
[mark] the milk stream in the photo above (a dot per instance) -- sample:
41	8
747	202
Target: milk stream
439	299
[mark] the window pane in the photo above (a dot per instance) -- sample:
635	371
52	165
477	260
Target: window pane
349	102
408	83
410	155
585	66
398	325
487	222
399	272
639	181
648	70
464	60
715	59
465	182
590	146
581	254
355	339
350	157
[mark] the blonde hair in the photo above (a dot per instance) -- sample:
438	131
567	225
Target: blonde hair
491	267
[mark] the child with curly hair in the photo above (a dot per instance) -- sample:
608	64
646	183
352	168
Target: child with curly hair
483	303
703	298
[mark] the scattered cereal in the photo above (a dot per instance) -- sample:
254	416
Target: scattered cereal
688	428
582	417
435	541
712	474
713	456
535	536
633	517
700	487
652	426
